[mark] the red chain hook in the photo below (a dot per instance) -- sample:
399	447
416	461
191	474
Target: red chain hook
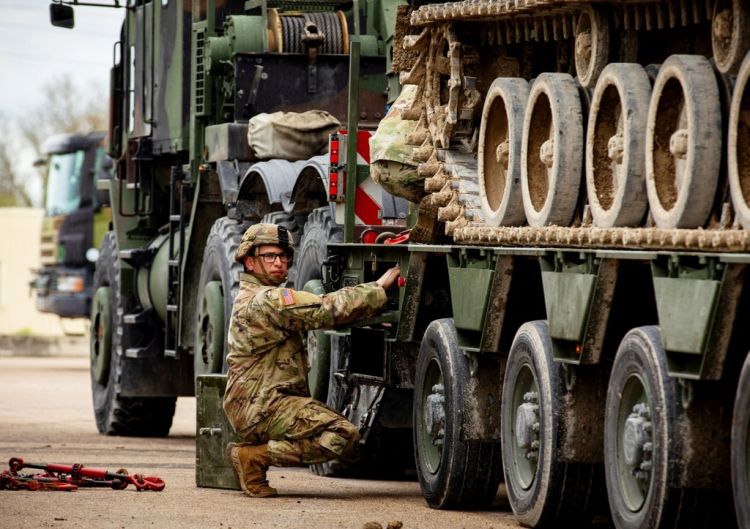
70	477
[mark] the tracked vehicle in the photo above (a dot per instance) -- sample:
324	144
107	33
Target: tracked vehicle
572	321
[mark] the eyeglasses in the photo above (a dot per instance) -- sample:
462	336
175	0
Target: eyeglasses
270	257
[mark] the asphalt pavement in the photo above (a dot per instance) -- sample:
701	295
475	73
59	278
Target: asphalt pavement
46	416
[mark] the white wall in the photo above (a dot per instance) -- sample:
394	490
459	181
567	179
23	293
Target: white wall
19	255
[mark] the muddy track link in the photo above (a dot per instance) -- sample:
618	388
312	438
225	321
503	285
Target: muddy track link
545	19
731	240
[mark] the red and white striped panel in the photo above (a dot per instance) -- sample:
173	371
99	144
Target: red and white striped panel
368	198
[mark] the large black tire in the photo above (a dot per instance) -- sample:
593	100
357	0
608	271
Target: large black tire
642	446
320	229
117	415
543	491
741	448
453	473
218	285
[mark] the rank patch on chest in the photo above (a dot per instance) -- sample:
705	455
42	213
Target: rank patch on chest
287	296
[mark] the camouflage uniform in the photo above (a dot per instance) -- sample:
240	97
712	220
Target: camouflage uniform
267	397
391	163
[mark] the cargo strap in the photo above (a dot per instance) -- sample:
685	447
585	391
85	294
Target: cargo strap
70	477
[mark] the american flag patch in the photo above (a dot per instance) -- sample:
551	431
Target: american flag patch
287	297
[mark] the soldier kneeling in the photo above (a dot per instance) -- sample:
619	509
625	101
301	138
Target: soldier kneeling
267	400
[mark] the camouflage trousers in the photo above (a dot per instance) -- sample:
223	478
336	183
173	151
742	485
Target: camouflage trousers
302	431
401	180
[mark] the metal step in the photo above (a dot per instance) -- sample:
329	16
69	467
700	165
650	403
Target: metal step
135	318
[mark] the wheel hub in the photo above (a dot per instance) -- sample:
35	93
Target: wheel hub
636	441
527	426
434	414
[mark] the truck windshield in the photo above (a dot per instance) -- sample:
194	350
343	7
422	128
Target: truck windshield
63	183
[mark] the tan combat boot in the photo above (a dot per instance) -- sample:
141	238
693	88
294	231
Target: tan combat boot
250	463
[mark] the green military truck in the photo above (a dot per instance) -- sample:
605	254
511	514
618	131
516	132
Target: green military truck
572	313
76	217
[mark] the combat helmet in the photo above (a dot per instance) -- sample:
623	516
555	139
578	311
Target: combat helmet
262	234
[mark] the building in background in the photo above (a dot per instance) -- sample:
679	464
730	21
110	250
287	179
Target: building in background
19	256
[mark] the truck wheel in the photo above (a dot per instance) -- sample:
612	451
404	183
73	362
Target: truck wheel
641	455
117	415
543	492
320	229
218	286
741	448
453	473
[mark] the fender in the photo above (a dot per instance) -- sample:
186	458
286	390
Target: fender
310	188
269	182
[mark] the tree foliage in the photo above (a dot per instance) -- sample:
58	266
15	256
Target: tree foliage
64	108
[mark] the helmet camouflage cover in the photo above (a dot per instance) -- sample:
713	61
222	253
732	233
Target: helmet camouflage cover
263	234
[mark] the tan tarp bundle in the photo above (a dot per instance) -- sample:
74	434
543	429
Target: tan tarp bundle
290	135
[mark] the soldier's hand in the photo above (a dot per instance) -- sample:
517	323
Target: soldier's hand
387	279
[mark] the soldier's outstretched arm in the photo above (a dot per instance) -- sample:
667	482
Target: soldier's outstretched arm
303	311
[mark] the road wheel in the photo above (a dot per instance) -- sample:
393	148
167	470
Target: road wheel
542	491
730	38
741	448
218	285
683	142
312	250
453	473
551	151
615	173
499	156
591	45
117	415
738	145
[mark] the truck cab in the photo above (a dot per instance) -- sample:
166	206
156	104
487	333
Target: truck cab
76	216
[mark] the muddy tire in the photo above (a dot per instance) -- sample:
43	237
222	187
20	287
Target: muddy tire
218	285
615	142
453	473
740	453
542	491
683	142
642	446
115	414
499	158
552	151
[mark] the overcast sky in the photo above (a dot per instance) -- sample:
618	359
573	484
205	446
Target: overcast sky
32	51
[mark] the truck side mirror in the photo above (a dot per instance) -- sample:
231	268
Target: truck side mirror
61	16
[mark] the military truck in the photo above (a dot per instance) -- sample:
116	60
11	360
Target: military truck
571	319
76	217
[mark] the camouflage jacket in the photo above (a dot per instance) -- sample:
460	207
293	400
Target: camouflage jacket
389	142
266	354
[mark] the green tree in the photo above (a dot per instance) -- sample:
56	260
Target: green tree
12	190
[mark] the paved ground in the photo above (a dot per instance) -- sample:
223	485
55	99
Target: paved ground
45	416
